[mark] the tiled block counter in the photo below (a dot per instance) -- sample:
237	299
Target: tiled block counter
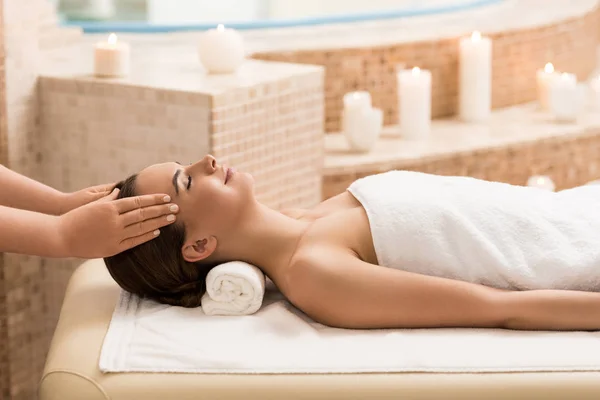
267	120
514	144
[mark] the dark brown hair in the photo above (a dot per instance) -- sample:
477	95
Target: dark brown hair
157	269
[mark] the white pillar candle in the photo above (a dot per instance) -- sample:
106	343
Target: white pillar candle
475	78
111	58
414	106
541	182
544	78
221	50
565	98
359	99
362	127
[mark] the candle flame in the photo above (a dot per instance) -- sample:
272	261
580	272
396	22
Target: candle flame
565	75
541	180
112	39
220	27
476	36
416	71
549	68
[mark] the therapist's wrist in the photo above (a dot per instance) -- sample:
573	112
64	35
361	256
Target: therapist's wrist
60	203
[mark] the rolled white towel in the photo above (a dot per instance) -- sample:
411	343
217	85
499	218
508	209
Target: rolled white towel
233	288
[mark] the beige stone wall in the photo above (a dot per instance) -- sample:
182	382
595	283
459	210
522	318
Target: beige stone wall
26	337
4	363
570	44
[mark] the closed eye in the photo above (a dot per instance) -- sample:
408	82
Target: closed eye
189	183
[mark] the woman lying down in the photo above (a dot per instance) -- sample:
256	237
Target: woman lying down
396	250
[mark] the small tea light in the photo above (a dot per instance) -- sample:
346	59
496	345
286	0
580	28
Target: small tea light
544	79
414	106
111	58
566	97
475	78
221	50
541	182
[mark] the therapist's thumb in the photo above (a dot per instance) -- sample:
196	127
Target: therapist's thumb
112	196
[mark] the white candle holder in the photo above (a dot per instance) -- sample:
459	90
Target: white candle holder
541	182
358	99
362	127
111	58
414	105
544	79
475	78
566	98
221	50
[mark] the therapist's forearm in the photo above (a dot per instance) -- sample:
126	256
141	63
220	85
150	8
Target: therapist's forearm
18	191
27	232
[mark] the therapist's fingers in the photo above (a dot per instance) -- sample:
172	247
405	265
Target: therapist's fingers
137	240
131	203
142	214
149	225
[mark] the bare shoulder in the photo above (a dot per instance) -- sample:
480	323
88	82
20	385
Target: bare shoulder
312	264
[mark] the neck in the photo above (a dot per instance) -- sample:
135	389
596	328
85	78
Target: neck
265	238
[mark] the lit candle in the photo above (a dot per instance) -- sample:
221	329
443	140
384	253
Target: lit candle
359	99
566	97
475	78
221	50
541	182
362	127
111	58
544	78
414	106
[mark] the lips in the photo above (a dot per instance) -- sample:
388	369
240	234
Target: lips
228	173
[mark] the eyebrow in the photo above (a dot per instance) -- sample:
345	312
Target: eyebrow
175	178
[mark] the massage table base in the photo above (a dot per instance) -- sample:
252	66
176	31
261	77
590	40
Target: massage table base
71	370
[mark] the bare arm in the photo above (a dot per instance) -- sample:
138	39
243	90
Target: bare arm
28	232
341	290
98	229
18	191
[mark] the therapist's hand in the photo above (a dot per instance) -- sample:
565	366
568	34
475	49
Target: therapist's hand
107	226
70	201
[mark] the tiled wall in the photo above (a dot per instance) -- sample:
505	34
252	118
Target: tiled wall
4	361
570	44
569	160
23	276
275	132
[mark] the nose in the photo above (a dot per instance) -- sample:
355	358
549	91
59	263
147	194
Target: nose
208	164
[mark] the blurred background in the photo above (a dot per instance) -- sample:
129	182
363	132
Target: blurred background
255	12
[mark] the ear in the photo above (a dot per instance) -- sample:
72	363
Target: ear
198	250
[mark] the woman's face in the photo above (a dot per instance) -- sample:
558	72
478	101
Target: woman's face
211	200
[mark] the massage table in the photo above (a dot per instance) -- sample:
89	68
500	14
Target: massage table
71	371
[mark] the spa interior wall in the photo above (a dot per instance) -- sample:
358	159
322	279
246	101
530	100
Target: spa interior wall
4	364
31	288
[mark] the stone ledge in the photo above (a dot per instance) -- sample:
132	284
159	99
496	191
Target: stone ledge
515	143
